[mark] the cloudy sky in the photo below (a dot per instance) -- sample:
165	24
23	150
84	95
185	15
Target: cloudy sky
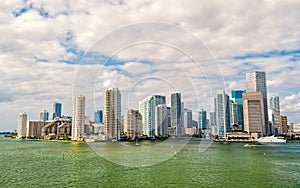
51	50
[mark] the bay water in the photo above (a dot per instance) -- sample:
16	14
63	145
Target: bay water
75	164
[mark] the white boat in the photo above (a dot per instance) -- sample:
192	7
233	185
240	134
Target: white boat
271	139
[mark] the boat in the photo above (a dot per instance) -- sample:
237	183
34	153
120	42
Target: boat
271	139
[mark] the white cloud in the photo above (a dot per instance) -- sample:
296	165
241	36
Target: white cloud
228	28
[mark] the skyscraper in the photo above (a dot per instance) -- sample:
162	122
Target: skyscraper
161	120
133	124
56	109
275	107
98	117
222	113
78	117
187	118
256	82
202	120
159	99
253	112
237	96
147	109
112	113
176	122
212	118
44	115
233	113
283	124
22	124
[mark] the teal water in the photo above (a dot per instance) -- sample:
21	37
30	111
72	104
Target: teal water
65	164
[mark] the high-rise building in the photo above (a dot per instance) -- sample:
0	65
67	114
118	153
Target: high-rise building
212	118
169	116
22	125
112	113
44	115
145	108
202	120
133	124
237	96
56	109
187	118
161	120
98	117
233	113
256	82
158	99
253	112
35	128
275	107
271	121
176	122
78	117
283	124
222	113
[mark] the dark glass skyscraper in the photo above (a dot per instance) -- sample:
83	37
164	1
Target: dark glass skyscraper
98	117
176	123
202	121
237	95
56	109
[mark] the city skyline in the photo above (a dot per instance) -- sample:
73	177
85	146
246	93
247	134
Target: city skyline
44	44
153	111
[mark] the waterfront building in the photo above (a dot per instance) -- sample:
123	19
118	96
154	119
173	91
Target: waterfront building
169	116
256	82
34	128
158	99
271	121
22	124
233	114
133	127
161	120
202	120
112	113
275	107
78	117
187	118
237	96
296	127
253	112
176	111
222	113
60	127
88	127
44	115
212	118
283	122
57	109
145	108
98	118
194	131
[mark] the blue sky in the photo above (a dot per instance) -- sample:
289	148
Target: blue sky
44	45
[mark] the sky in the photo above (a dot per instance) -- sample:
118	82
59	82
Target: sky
53	50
